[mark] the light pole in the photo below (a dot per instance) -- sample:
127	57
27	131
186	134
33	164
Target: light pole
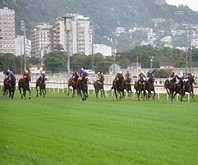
68	28
23	28
92	46
151	60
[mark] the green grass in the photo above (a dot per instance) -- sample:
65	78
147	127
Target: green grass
59	130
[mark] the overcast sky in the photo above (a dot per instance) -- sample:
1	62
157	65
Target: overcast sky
193	4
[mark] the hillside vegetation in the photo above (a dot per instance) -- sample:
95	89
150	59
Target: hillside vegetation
105	14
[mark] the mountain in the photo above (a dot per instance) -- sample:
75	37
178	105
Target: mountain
105	15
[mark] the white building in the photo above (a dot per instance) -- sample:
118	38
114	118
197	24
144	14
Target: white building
41	40
103	49
7	30
19	46
80	36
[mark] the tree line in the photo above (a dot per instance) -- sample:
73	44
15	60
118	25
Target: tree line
56	61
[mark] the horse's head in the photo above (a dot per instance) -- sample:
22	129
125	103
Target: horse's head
192	80
13	80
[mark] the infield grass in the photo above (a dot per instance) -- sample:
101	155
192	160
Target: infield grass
60	130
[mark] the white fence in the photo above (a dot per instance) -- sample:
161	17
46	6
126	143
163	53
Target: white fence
61	82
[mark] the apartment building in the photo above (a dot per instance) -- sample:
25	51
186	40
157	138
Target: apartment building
80	36
7	30
41	40
19	46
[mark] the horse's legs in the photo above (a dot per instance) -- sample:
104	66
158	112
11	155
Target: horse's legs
116	94
29	93
36	90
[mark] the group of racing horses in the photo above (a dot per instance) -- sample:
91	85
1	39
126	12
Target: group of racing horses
145	89
23	85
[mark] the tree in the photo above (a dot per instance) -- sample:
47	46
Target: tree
55	61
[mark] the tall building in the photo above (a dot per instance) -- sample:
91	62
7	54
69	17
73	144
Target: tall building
80	36
7	30
19	45
41	40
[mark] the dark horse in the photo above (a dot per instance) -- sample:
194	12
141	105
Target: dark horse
140	88
40	82
118	87
127	86
178	88
99	86
149	86
24	84
189	86
9	85
83	88
169	86
73	81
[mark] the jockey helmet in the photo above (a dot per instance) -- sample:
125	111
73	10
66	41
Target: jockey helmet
99	73
120	72
8	70
82	69
43	72
25	71
172	72
142	72
190	73
128	72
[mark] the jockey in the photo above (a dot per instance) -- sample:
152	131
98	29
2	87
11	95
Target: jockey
149	73
188	77
25	73
74	74
7	73
142	76
99	76
42	78
128	76
83	74
172	75
120	77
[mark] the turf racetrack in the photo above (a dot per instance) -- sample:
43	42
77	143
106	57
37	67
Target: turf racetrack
60	130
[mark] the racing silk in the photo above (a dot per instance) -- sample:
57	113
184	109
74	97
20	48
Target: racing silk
142	76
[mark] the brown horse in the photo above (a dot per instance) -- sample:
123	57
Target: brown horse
9	85
73	82
83	88
149	85
169	86
178	88
24	84
127	86
189	86
118	87
140	88
99	86
41	84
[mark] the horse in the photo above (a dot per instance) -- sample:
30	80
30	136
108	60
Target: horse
9	85
73	81
149	85
127	86
24	84
83	87
189	86
41	84
99	86
178	88
169	85
139	86
118	87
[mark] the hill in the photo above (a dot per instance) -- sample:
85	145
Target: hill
106	15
